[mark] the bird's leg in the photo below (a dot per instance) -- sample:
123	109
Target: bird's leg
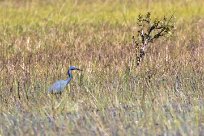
71	93
58	96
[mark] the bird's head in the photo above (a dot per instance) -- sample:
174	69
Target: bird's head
74	68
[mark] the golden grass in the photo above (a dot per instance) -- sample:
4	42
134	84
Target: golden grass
40	40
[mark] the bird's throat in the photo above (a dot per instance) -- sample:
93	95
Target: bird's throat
70	74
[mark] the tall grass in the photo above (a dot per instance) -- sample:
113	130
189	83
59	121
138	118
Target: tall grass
40	40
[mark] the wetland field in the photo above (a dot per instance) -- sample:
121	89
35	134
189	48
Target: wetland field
39	40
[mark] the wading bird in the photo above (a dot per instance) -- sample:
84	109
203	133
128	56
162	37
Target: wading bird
58	86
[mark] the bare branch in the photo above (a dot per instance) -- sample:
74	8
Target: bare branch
149	31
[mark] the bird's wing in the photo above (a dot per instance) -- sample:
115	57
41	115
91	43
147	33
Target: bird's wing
57	87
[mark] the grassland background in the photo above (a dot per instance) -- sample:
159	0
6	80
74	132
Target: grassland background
39	40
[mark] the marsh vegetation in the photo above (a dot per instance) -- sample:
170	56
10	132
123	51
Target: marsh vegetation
164	95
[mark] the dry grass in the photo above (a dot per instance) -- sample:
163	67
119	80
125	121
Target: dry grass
40	40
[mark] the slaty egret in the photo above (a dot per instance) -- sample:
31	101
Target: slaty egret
59	86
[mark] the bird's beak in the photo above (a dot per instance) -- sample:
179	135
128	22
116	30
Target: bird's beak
78	69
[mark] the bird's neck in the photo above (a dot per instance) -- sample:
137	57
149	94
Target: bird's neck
70	74
68	80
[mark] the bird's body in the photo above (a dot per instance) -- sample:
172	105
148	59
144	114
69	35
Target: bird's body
59	86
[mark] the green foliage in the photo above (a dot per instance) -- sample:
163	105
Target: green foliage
153	29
